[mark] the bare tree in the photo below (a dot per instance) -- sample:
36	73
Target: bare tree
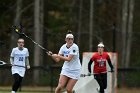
127	23
16	22
91	25
124	28
80	21
129	37
38	35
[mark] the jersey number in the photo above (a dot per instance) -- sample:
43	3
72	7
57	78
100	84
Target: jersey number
20	58
101	64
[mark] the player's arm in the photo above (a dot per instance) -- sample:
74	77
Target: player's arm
27	63
73	52
12	60
69	58
89	65
58	57
110	64
12	57
55	57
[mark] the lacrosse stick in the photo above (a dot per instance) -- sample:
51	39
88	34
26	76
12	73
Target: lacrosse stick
2	63
84	75
18	31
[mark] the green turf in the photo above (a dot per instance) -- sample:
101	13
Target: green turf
23	92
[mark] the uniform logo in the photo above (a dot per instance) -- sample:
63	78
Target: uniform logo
74	51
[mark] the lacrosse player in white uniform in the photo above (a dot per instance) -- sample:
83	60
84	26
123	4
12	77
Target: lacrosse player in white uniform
19	60
71	69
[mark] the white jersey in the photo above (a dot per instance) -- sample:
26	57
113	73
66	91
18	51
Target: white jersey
19	59
74	64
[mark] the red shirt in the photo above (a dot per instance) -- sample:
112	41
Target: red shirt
100	62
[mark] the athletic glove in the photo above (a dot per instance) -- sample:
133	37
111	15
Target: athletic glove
112	70
49	53
28	67
89	74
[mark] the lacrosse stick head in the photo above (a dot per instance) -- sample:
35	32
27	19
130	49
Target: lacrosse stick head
2	62
17	30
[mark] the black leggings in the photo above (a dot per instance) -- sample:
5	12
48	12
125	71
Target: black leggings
102	81
17	82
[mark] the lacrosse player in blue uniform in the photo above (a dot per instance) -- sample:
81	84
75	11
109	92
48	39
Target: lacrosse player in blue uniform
19	60
70	73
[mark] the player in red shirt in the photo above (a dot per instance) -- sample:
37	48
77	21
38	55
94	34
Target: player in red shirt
100	71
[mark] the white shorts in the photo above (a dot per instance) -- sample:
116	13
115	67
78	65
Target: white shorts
18	71
74	74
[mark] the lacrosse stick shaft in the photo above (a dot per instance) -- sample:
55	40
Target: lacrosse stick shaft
18	31
84	75
15	65
36	43
6	64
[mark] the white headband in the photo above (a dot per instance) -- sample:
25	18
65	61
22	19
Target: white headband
100	45
69	36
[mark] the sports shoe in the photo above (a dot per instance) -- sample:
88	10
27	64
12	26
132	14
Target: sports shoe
13	92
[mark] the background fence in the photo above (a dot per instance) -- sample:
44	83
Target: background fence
127	77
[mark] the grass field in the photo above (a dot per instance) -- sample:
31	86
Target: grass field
129	90
25	92
47	89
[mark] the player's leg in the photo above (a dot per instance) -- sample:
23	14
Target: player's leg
100	82
62	82
17	82
104	79
14	87
70	85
